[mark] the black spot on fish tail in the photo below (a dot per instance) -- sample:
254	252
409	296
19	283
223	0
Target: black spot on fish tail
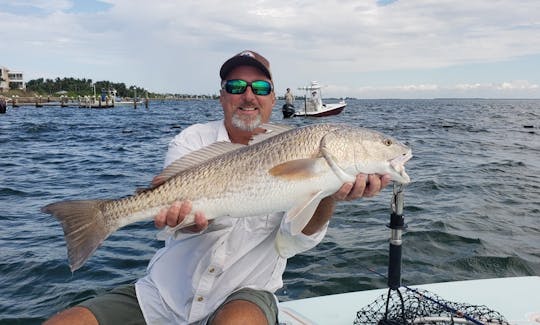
85	227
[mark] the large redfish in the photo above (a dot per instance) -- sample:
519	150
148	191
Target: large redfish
288	170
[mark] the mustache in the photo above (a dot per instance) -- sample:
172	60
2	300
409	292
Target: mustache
249	104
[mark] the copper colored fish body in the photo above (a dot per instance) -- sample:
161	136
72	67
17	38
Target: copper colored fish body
284	169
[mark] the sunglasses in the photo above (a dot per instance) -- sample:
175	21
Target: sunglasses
239	86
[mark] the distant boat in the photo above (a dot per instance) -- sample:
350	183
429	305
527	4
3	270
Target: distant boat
125	101
313	104
120	101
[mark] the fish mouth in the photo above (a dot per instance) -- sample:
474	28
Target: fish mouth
398	164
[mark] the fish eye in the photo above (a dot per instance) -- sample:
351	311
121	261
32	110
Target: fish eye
387	142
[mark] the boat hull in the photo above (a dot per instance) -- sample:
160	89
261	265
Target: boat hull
326	110
515	298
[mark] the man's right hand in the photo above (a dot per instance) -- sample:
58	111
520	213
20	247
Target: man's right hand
176	213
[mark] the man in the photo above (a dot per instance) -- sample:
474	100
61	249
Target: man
224	271
316	101
289	97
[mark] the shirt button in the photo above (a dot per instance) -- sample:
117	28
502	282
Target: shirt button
211	270
199	299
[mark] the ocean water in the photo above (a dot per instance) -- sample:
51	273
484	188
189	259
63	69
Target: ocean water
473	208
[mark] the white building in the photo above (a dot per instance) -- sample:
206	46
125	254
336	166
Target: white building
11	80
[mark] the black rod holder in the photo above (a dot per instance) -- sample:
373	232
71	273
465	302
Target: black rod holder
397	224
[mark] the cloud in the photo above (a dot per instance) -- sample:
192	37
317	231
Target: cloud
519	84
178	46
510	89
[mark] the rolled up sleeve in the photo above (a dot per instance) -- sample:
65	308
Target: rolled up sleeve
288	245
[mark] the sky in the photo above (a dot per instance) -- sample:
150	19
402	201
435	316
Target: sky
355	48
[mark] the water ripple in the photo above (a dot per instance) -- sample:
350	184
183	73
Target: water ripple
473	208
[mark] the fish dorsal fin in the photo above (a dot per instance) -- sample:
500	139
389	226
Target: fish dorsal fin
271	130
197	157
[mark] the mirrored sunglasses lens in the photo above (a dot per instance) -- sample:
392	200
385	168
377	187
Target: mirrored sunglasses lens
261	87
235	86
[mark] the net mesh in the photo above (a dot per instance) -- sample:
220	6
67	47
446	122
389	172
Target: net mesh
412	306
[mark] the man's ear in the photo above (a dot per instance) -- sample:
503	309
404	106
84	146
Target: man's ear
221	94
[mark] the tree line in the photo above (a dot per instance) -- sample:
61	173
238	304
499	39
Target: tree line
83	87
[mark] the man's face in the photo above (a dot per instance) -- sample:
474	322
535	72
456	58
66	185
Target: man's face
246	111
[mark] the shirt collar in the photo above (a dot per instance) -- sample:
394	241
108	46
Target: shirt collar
223	135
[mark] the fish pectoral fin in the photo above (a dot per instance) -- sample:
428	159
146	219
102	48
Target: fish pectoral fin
300	215
334	166
297	169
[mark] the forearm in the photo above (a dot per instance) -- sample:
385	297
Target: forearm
322	214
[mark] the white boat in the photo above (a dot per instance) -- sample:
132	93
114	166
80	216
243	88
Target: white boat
119	101
122	101
514	298
313	104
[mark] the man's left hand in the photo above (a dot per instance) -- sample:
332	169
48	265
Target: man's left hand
363	186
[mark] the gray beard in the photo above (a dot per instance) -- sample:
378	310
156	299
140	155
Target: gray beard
246	125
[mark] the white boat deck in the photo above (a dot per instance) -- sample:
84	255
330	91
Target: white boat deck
517	299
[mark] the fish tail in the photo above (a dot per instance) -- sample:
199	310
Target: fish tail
85	227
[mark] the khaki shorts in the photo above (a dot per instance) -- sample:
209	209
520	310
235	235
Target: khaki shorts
120	305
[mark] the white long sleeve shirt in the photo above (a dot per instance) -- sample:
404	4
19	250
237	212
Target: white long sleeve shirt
194	273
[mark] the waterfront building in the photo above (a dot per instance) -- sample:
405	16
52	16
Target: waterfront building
11	80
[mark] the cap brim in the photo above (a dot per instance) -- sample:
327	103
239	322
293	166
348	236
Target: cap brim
239	61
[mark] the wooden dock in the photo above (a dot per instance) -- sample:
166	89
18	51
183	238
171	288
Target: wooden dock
81	102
